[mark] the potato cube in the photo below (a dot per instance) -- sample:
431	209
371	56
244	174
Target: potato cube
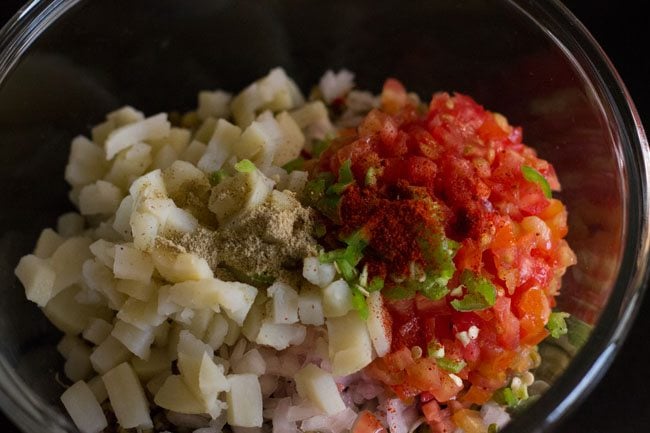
96	385
244	401
124	116
164	157
283	304
379	324
136	289
236	299
193	152
104	251
100	197
47	243
37	277
280	336
152	128
77	365
213	104
220	146
178	267
236	194
127	397
175	395
137	340
71	317
216	332
251	363
129	165
350	347
292	140
320	274
144	228
310	306
97	330
337	299
142	315
67	261
109	354
86	162
318	386
122	223
70	224
157	362
132	264
84	409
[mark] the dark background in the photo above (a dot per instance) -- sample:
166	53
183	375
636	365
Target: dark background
621	402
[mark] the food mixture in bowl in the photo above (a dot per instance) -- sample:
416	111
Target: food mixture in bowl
348	262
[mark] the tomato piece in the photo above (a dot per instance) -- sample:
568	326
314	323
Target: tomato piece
476	395
366	422
425	375
431	411
507	325
393	96
533	310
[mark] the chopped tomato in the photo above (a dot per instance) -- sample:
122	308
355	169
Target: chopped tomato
470	421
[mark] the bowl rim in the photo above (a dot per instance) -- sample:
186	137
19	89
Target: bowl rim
28	411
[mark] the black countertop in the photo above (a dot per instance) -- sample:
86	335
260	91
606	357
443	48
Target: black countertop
621	401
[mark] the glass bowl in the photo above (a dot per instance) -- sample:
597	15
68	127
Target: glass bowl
65	63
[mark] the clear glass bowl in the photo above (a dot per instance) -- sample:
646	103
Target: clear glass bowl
65	63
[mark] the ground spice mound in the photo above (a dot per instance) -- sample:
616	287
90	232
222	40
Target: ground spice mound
261	242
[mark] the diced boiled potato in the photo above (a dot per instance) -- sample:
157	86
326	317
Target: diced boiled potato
206	130
236	194
251	363
155	384
213	104
100	133
320	274
220	147
71	317
127	397
132	264
180	221
295	181
70	224
100	197
166	307
204	378
200	322
122	223
178	267
276	92
260	141
154	127
47	243
129	164
318	386
97	330
151	185
236	299
379	324
244	401
88	296
143	315
96	385
67	344
174	394
137	340
86	162
77	365
144	228
106	231
164	157
182	176
292	140
136	289
335	85
337	299
280	336
216	331
178	139
312	113
184	317
109	354
283	303
194	152
37	277
234	331
83	408
310	306
157	362
197	294
99	278
253	322
124	116
68	260
104	252
350	347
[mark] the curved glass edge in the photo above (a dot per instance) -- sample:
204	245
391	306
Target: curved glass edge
25	26
20	404
591	363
